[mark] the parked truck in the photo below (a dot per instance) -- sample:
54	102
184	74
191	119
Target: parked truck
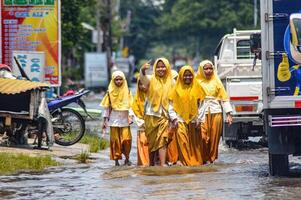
281	78
243	82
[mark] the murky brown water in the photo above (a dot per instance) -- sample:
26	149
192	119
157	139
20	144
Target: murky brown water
236	175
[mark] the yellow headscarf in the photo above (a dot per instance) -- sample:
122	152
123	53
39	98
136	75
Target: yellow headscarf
159	87
213	86
119	98
185	97
138	103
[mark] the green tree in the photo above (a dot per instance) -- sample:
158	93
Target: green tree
75	39
203	22
142	30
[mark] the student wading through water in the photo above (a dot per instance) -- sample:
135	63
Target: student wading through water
156	118
117	103
185	99
216	101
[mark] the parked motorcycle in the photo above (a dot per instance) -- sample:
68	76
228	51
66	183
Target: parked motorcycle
68	124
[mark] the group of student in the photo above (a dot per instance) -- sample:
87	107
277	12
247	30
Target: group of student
179	115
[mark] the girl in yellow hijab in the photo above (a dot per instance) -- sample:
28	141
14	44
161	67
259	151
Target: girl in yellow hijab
156	121
185	99
216	101
138	109
117	103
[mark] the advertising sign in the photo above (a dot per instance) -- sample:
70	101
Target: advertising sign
32	25
32	62
96	71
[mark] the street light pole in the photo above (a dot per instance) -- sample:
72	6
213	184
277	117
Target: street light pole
109	37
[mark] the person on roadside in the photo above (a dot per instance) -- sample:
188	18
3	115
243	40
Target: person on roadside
138	109
215	102
183	110
117	103
156	118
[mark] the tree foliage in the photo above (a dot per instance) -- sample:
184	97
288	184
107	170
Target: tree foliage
204	21
142	29
185	26
75	39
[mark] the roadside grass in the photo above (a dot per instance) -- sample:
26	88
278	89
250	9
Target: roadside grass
11	163
83	157
95	142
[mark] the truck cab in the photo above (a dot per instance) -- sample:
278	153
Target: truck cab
243	82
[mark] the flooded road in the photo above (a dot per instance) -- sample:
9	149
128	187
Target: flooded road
236	175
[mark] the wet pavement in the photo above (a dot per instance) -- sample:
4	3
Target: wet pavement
237	174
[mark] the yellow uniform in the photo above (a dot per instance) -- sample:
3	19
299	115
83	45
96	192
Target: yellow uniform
156	120
215	102
184	100
117	103
142	143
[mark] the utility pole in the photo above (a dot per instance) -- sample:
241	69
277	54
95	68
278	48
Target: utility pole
98	27
108	39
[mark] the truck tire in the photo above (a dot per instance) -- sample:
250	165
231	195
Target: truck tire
278	164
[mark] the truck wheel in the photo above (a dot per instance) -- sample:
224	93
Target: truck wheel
278	164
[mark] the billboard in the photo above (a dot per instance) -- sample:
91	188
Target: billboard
32	26
96	70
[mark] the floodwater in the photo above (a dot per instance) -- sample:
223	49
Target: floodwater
238	174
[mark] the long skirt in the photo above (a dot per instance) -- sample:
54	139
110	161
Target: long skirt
211	130
189	144
156	131
120	142
142	149
172	148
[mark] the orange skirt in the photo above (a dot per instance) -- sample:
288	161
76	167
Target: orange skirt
172	148
211	130
142	149
189	144
120	142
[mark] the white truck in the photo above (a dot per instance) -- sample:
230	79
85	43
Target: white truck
281	78
243	83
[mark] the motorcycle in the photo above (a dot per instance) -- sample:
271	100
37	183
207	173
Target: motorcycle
68	124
